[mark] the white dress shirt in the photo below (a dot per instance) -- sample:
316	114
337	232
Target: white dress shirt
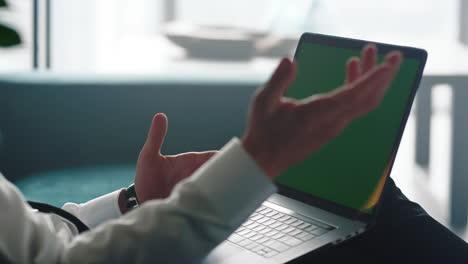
200	213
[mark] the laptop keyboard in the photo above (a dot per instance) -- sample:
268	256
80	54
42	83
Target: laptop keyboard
268	232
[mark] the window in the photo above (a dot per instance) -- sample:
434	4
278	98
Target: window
144	36
432	25
19	16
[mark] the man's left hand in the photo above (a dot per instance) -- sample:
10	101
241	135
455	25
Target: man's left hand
157	174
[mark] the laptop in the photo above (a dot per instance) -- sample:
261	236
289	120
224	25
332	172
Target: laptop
334	194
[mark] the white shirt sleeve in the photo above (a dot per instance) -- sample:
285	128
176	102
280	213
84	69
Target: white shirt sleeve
200	213
96	211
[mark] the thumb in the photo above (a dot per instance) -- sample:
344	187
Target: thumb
279	82
157	132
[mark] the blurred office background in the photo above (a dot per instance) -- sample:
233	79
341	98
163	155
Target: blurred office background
221	40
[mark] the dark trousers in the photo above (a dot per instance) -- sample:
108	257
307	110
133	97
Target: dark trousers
404	233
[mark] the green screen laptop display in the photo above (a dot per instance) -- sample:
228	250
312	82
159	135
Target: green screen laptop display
351	169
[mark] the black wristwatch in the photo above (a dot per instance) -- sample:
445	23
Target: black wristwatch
131	200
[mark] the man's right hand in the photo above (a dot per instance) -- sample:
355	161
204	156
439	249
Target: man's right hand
282	131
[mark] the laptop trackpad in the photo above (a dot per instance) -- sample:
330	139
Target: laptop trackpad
222	252
228	253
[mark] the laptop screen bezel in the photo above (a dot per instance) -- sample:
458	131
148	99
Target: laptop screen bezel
383	48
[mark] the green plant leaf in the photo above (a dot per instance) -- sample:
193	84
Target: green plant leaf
3	3
8	36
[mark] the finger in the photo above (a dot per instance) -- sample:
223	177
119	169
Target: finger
375	77
347	105
371	93
157	132
394	59
351	101
365	85
352	69
369	57
348	102
393	62
346	95
278	83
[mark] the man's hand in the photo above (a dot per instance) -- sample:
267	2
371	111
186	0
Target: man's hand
282	131
156	174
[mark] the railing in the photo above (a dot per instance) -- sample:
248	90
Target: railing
459	145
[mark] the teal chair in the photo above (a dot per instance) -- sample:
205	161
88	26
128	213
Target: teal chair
75	185
69	138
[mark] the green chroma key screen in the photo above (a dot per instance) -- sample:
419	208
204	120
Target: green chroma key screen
352	168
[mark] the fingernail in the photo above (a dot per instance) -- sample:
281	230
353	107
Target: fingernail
395	58
370	46
286	60
284	65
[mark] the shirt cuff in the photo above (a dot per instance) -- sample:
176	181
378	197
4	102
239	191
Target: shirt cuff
96	211
233	182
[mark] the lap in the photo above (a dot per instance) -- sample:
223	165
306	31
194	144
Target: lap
403	232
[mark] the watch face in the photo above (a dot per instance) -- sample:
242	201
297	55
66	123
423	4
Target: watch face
131	203
131	198
131	192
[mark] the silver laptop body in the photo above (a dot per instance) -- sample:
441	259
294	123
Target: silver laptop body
321	228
